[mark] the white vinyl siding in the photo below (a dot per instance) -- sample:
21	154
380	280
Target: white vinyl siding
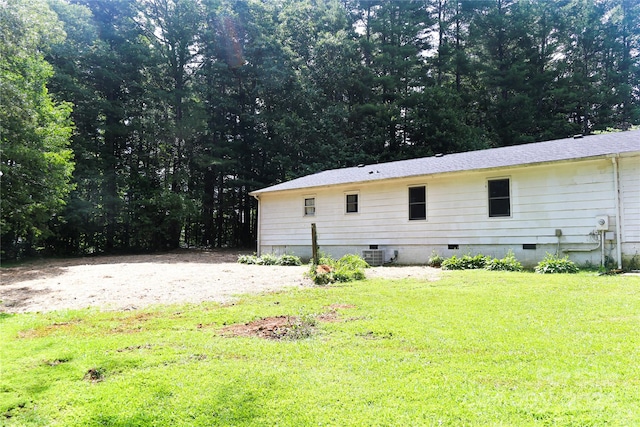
629	172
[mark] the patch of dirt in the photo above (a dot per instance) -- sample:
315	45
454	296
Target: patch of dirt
46	330
132	282
94	375
269	327
284	327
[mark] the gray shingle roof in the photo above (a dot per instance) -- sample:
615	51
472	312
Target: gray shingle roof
526	154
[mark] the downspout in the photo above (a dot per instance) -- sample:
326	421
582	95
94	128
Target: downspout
258	233
616	193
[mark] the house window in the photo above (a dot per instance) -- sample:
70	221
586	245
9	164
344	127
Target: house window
309	206
417	203
352	203
499	198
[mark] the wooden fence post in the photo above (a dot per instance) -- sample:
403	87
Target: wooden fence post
314	244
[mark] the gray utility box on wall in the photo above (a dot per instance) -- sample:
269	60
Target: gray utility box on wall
373	256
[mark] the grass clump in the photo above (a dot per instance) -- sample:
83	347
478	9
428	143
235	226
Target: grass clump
552	264
435	260
346	269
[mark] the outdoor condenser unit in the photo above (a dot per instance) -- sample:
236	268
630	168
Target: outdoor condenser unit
373	256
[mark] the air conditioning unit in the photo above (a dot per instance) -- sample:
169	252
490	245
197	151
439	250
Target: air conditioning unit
602	223
373	256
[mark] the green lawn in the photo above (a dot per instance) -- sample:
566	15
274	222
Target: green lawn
475	348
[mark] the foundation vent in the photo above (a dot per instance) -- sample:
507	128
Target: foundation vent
373	257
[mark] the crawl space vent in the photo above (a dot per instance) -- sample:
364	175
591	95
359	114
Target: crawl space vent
373	256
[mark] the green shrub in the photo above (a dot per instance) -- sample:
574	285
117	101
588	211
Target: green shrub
289	260
353	261
435	260
270	259
508	263
554	264
248	259
345	273
321	278
348	268
465	262
452	263
325	259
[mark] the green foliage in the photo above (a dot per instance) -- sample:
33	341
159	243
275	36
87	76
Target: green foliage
435	260
508	263
632	263
348	268
248	259
465	262
352	262
288	259
479	349
298	327
36	162
554	264
270	259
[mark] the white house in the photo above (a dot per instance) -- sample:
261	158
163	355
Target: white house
578	196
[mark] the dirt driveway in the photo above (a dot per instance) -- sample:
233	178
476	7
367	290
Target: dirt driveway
130	282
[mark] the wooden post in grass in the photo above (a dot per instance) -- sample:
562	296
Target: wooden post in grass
314	244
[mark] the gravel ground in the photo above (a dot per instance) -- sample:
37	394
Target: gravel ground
131	282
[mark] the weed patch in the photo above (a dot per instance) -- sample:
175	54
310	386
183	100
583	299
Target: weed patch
435	260
275	328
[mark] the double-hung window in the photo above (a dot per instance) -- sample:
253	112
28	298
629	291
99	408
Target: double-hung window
351	203
499	198
309	206
418	203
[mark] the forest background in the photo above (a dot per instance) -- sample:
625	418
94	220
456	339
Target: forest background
142	125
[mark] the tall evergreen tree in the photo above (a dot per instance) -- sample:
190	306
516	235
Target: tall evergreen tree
182	107
35	160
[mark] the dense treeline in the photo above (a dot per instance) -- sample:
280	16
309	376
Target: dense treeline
181	107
